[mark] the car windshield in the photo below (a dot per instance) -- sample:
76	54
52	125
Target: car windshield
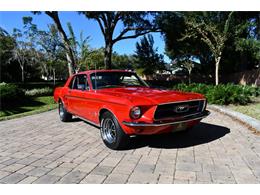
102	80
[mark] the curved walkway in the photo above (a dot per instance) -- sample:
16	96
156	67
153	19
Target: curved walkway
41	149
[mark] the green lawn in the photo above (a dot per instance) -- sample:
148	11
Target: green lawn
27	106
252	109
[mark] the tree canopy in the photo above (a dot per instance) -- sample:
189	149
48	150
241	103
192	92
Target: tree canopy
146	57
134	24
210	44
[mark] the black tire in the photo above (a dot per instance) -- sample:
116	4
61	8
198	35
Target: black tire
111	133
65	116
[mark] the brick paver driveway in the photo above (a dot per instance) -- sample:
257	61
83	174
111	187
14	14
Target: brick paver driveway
41	149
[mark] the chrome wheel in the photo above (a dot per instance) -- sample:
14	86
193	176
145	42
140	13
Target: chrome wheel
61	110
111	132
108	130
65	116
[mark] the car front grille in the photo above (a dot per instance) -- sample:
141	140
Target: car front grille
179	109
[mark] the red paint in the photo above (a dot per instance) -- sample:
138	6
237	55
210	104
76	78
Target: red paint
119	101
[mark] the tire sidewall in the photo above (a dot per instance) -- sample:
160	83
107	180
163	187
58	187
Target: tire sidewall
120	134
59	108
66	116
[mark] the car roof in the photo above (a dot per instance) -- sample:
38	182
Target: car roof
93	71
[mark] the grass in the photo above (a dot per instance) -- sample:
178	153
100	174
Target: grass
27	106
252	109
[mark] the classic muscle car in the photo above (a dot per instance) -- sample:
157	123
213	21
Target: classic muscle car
123	105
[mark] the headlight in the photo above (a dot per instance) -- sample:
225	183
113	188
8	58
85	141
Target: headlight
135	112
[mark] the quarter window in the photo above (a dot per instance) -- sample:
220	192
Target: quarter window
80	82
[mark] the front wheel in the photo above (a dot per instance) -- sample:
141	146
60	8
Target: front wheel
65	116
111	133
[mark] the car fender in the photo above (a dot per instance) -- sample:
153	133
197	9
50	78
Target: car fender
119	113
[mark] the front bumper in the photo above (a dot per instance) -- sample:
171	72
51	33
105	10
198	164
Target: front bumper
183	120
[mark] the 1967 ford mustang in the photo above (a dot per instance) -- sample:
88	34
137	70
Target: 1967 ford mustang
122	105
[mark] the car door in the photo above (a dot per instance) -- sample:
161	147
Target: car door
77	96
81	97
69	99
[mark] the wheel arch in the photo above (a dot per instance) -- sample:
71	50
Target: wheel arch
60	99
102	111
106	109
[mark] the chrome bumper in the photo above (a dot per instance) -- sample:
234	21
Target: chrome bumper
183	120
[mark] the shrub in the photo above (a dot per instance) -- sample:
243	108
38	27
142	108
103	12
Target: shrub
46	91
39	85
222	94
253	91
10	92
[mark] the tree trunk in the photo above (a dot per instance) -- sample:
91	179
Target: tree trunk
108	55
54	78
22	67
70	63
217	60
189	76
69	52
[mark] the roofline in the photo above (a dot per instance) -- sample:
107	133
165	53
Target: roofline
103	70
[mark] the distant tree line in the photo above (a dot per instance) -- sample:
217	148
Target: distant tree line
208	43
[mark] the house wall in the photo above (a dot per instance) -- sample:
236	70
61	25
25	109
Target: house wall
250	77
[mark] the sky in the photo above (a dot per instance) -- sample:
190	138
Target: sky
11	20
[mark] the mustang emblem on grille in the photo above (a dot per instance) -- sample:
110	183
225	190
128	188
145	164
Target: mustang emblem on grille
181	108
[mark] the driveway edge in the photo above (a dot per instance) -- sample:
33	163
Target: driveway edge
252	123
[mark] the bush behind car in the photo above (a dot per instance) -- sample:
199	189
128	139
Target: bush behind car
222	94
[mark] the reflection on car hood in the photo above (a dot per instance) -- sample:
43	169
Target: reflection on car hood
145	95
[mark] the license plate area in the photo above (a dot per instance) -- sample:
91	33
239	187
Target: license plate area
179	127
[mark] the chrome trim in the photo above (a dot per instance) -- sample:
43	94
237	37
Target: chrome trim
204	105
171	118
88	121
184	106
181	101
95	124
200	116
176	102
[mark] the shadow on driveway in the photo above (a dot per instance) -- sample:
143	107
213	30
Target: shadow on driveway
200	134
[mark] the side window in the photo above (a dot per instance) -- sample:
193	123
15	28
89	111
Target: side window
72	82
80	82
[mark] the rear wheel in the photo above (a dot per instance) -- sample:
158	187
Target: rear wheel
111	133
65	116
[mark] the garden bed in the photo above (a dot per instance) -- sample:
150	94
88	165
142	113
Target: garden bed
17	102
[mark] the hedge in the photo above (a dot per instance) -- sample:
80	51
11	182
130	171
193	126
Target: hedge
10	92
222	94
46	91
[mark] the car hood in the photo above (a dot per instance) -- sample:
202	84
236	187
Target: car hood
145	95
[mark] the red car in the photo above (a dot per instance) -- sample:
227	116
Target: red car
122	105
